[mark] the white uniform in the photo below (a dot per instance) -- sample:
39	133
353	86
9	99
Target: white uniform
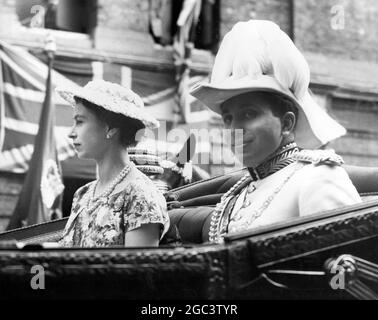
307	186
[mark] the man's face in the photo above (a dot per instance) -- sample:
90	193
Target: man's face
252	112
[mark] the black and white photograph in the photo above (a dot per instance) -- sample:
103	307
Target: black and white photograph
188	157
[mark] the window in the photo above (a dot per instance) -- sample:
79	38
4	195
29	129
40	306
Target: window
163	23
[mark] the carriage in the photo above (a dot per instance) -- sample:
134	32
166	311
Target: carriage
331	255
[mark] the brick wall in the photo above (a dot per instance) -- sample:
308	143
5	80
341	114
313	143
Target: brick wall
122	27
313	20
360	145
123	15
242	10
358	39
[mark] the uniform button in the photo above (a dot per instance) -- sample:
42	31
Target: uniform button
236	216
251	188
246	203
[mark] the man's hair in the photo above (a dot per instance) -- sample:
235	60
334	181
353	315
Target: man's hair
280	105
128	127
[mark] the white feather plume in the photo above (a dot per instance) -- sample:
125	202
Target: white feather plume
260	47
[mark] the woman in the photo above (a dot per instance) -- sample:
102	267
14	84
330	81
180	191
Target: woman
122	207
260	84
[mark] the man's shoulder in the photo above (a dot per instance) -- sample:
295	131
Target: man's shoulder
319	157
321	165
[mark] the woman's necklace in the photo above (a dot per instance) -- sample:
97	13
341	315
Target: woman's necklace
106	193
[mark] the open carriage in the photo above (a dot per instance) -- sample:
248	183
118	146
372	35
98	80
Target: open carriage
331	255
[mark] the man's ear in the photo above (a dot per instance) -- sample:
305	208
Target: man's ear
288	122
110	132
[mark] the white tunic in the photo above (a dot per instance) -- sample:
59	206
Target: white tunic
297	190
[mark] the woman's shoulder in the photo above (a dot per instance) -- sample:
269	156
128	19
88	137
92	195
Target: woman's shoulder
79	193
137	188
139	181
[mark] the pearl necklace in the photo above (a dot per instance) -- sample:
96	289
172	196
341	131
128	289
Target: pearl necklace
106	193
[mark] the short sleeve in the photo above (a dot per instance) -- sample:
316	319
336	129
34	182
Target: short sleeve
325	188
145	205
67	235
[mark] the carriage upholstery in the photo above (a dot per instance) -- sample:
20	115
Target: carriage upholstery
198	200
190	208
208	192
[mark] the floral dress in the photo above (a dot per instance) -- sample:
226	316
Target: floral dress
139	203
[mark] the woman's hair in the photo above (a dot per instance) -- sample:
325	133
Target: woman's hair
128	127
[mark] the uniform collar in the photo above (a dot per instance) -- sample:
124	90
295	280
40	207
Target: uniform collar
277	161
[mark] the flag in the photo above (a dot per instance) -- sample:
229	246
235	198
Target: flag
41	195
22	93
2	108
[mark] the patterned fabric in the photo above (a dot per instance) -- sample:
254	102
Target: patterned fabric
139	203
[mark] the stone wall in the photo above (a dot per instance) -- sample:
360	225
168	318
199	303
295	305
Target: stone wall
342	28
242	10
360	118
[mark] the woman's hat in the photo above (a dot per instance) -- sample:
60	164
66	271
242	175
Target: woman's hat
112	97
258	56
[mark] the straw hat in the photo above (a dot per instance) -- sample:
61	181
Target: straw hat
112	97
258	56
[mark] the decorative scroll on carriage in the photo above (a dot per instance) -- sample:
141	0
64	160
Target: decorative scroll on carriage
331	255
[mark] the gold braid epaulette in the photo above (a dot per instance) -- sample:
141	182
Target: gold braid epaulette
319	157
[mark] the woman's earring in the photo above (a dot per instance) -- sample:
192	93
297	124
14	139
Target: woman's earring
108	136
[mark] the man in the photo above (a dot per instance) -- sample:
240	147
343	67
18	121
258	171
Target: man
259	84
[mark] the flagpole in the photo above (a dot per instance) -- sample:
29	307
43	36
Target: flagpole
50	49
2	108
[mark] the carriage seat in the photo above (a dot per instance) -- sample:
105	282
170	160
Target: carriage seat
191	205
209	192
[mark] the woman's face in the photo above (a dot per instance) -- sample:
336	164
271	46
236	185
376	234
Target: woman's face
88	133
261	129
